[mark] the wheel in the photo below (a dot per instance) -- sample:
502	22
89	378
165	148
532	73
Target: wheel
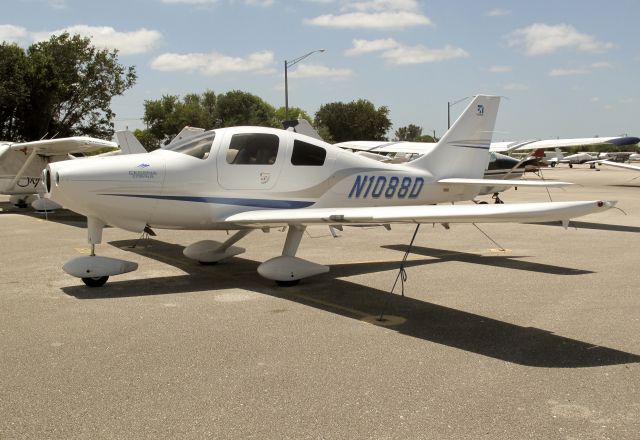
499	202
553	164
95	281
483	203
207	263
570	165
592	166
288	283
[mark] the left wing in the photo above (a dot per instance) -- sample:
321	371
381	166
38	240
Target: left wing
505	182
616	164
62	146
511	213
502	147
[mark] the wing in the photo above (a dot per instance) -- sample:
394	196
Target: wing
62	146
529	145
617	164
505	182
511	213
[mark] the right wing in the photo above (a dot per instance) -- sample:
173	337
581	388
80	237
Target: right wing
507	213
620	141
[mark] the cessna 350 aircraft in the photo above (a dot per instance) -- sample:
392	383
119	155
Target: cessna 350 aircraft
248	178
22	163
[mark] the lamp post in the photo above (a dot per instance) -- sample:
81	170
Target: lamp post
288	64
451	104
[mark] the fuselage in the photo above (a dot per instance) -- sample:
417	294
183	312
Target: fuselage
198	183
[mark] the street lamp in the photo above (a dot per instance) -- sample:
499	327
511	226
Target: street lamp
451	104
288	64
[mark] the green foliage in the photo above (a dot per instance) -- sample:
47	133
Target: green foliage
61	87
357	120
147	139
294	113
426	138
167	116
409	133
242	108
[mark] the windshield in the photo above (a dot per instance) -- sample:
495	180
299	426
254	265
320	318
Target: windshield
197	146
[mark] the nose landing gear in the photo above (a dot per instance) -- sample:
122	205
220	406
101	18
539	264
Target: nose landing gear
94	270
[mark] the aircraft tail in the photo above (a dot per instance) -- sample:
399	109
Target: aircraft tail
301	126
463	151
129	144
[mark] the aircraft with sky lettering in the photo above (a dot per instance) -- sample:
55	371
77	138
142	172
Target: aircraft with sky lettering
22	163
250	178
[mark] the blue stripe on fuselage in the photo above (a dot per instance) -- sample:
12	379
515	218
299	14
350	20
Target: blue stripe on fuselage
255	203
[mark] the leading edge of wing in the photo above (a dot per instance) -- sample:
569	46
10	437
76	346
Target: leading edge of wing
616	164
77	144
504	182
506	213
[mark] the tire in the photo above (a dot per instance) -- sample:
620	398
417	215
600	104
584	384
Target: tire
288	283
95	281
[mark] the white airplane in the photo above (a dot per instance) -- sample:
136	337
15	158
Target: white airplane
626	166
249	178
22	163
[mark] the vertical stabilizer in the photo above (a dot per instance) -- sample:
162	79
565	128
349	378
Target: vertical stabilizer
463	151
129	144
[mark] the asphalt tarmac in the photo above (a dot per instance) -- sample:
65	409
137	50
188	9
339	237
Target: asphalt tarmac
541	340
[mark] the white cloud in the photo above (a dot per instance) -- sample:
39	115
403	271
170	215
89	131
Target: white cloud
262	3
595	99
515	87
382	5
361	47
319	71
421	54
580	70
215	63
396	53
500	69
377	20
374	14
568	72
58	4
128	43
498	13
11	33
541	39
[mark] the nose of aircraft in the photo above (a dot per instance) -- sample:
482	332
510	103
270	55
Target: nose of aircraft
109	188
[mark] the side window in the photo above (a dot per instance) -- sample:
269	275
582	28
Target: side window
307	154
253	149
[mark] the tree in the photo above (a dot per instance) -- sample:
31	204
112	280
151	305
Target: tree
167	116
62	87
357	120
409	133
242	108
147	139
294	112
13	89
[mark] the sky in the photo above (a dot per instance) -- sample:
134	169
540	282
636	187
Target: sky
567	68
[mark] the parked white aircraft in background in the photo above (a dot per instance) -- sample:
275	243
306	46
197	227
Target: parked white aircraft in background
248	178
22	163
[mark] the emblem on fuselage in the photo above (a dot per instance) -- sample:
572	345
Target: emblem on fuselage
480	110
264	177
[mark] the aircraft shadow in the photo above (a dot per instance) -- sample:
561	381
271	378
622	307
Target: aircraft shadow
474	333
505	261
62	216
595	226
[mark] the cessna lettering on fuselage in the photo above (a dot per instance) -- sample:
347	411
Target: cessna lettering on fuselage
387	187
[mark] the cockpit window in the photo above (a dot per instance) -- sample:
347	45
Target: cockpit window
307	154
197	146
253	149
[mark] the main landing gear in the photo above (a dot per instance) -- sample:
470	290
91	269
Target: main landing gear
496	197
94	270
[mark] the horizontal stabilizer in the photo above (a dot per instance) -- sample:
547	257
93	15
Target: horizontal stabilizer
508	213
505	182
